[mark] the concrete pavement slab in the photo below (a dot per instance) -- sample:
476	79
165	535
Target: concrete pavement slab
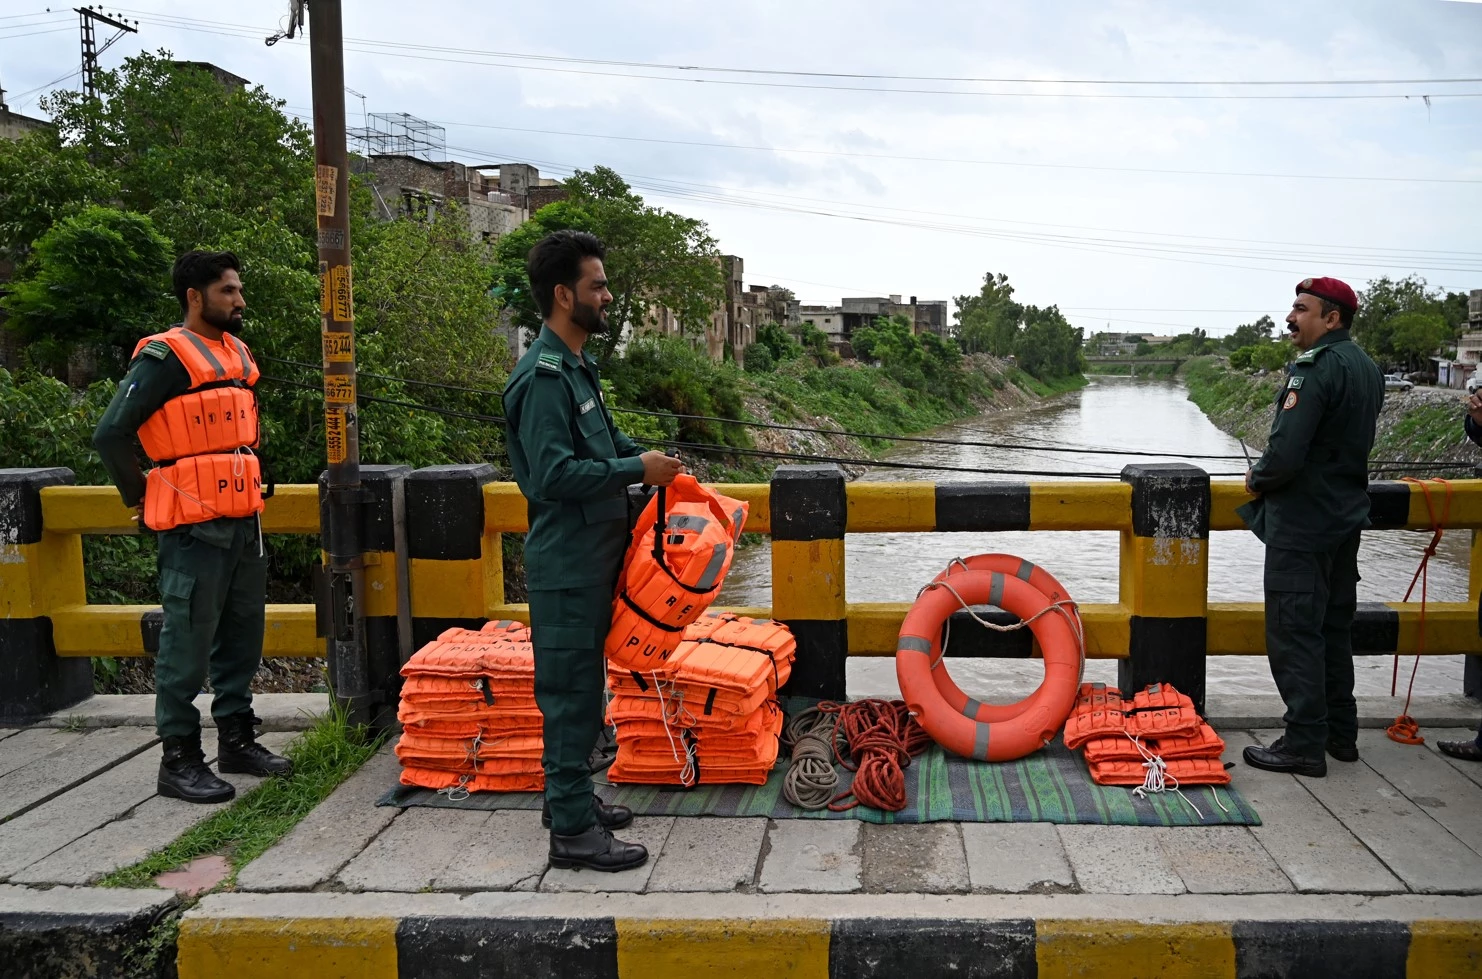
709	855
924	858
1119	860
278	711
58	771
509	854
52	826
1471	769
332	835
649	831
414	850
24	747
150	826
1314	850
1221	860
1448	796
1010	858
811	855
1416	848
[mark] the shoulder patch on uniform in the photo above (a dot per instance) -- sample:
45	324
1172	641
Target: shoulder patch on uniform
1295	382
1290	402
158	349
549	361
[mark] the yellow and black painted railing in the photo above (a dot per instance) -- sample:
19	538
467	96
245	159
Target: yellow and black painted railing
434	558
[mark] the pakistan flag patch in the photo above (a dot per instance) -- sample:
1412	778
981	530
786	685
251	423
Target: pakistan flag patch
1295	382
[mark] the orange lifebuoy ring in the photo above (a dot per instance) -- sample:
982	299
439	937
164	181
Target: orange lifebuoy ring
962	724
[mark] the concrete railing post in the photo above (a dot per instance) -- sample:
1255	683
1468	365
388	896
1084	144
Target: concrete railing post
386	598
457	574
38	572
1165	578
809	510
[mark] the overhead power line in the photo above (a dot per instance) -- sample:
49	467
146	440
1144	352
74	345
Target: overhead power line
418	52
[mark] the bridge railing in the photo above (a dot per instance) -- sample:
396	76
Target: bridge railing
435	550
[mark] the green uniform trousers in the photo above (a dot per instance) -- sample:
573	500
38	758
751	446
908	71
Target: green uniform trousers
568	627
213	586
1311	598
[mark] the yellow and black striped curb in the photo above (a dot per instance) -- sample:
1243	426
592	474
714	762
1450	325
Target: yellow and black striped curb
858	948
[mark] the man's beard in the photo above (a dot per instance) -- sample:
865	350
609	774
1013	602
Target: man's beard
229	320
589	318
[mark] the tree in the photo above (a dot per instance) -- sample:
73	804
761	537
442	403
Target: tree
989	322
1272	356
1250	333
1048	346
654	257
780	344
1386	298
96	279
1416	335
45	181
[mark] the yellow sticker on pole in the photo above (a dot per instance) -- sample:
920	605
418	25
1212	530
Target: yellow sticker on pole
326	181
334	435
339	348
338	303
339	389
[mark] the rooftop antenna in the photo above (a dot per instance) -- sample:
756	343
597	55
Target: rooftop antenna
362	103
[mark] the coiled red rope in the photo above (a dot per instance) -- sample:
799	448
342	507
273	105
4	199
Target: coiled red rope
881	737
1405	729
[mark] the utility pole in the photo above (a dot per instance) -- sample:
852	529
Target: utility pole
90	49
349	670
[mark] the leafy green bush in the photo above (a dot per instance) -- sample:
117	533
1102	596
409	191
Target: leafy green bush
759	359
668	374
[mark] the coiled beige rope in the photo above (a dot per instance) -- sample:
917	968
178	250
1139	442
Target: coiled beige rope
811	780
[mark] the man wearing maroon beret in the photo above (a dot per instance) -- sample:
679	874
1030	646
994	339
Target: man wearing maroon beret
1312	500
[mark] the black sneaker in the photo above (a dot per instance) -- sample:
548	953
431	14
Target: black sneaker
185	775
596	849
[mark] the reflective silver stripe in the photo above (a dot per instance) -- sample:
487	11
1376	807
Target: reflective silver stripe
913	644
244	356
712	570
685	521
970	709
995	590
1025	570
205	351
980	742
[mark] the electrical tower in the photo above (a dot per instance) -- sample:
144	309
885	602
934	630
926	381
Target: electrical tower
90	49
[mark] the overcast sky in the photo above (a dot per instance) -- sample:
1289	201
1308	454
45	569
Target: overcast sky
1149	214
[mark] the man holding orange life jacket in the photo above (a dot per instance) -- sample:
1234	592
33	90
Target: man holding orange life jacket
188	399
574	468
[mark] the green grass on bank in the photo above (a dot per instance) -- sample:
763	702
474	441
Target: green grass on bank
323	757
1048	388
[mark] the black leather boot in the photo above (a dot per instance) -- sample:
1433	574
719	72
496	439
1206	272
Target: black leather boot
185	775
1280	758
237	749
612	817
595	849
1343	752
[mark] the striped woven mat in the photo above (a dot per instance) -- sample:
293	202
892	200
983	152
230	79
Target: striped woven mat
1050	786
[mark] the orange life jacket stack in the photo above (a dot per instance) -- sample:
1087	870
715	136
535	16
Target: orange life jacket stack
681	550
201	441
468	713
711	716
1155	736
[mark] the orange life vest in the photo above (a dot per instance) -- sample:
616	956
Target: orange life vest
680	554
1157	712
201	441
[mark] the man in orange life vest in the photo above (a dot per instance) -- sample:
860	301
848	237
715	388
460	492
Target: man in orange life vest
188	398
574	467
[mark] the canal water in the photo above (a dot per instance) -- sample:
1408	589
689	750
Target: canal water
1124	414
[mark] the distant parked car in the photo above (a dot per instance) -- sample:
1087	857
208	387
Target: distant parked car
1474	382
1395	382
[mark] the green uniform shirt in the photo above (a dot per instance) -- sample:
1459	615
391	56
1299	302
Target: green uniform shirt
1313	476
572	464
154	377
